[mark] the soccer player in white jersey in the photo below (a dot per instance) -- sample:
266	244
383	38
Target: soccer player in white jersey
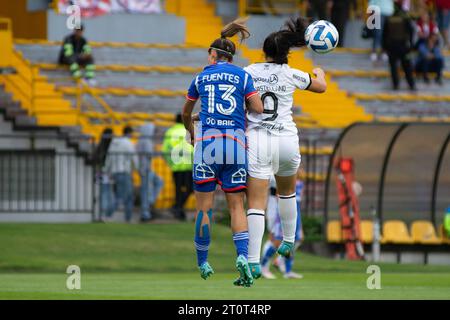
273	143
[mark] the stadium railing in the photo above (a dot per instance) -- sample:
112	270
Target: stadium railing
58	178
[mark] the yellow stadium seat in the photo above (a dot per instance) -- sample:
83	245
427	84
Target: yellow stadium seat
423	232
366	231
334	232
396	231
444	239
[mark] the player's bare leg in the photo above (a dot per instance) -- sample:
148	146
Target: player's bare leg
239	228
203	231
288	213
257	202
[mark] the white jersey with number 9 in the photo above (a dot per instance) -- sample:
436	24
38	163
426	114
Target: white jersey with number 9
276	84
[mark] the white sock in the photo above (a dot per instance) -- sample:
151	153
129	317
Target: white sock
288	214
256	220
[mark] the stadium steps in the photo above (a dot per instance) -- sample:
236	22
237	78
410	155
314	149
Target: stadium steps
21	121
202	25
370	85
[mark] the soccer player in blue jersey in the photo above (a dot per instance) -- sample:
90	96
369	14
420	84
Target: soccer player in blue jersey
225	92
276	234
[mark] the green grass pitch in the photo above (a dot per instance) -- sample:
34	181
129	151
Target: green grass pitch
158	262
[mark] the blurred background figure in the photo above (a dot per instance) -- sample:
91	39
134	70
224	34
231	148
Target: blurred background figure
275	233
386	10
446	224
425	27
104	179
340	13
430	59
319	9
398	36
121	160
151	183
178	154
76	53
443	18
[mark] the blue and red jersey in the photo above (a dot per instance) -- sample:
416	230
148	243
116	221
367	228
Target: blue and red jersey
222	89
220	156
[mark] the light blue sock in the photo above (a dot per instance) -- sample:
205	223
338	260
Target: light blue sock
289	263
269	252
202	242
241	243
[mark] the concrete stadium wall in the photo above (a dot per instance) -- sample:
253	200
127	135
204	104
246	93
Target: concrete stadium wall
157	28
73	181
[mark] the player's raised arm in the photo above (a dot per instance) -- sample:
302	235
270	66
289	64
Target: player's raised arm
318	84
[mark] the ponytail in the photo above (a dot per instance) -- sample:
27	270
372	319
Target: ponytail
278	44
235	27
226	48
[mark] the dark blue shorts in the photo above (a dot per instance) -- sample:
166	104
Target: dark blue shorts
220	160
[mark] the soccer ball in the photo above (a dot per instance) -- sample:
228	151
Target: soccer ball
321	36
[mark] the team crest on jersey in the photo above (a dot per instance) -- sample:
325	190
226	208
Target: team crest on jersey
273	79
239	176
203	171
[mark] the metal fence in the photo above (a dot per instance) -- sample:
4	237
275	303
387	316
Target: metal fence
41	174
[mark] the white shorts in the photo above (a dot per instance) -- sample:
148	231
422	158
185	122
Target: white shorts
272	155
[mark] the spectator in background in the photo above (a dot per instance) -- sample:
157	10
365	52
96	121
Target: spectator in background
319	9
106	191
386	10
425	28
178	154
151	184
446	225
121	160
430	59
76	53
398	36
340	13
443	18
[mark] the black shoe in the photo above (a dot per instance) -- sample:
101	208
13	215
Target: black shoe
426	80
439	81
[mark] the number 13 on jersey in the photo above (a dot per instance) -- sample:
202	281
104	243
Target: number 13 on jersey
226	91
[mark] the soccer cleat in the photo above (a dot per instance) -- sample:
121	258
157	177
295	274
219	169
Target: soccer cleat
266	274
255	269
285	249
244	272
205	270
292	275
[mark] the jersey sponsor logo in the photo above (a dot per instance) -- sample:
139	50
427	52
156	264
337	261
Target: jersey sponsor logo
239	176
273	79
218	122
271	126
299	78
203	171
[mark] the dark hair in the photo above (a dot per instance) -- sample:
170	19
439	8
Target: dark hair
278	44
80	27
224	47
127	130
179	118
103	146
